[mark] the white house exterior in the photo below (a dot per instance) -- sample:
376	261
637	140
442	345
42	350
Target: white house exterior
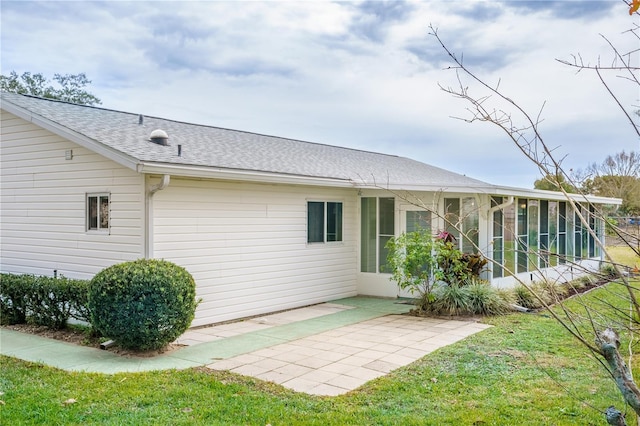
262	223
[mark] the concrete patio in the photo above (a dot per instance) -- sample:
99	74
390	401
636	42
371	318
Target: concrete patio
325	349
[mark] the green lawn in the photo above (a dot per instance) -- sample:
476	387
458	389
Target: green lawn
524	371
623	255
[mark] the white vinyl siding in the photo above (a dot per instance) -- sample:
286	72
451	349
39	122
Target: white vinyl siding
246	246
43	216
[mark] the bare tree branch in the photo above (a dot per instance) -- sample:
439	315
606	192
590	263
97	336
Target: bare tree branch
604	340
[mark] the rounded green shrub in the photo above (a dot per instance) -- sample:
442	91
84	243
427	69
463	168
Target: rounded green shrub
144	304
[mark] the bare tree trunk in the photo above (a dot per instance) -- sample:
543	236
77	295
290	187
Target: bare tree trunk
609	343
615	417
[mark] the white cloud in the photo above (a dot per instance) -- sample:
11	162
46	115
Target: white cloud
359	74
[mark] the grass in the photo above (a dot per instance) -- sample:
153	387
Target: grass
623	255
525	370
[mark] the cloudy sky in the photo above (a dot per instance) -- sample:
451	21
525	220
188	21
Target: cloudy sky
364	75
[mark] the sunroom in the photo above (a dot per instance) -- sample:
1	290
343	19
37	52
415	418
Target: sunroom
530	237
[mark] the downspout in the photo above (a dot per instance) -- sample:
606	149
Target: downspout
478	200
503	205
148	247
162	185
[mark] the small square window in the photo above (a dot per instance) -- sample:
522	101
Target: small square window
98	207
324	221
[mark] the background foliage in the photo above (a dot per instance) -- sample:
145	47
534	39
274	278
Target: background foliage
64	87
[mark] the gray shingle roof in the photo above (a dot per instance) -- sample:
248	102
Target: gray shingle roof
214	147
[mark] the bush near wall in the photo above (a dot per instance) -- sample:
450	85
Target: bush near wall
144	304
13	297
42	300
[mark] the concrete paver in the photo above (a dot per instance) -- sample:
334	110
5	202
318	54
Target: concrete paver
363	354
325	349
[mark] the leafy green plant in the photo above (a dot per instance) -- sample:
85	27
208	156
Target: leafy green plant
454	266
144	304
525	296
609	272
418	263
582	282
555	290
52	301
475	297
485	299
451	267
412	264
475	263
451	300
42	300
78	300
13	300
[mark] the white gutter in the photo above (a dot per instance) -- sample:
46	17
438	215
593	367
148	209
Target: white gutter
553	195
148	205
206	172
133	163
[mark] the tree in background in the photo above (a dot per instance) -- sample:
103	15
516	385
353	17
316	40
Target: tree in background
554	183
65	87
617	176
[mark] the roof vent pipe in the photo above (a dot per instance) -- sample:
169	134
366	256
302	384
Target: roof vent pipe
159	137
140	120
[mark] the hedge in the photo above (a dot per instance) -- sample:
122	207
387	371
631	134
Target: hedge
42	300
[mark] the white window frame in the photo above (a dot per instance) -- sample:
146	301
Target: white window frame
404	209
99	228
377	250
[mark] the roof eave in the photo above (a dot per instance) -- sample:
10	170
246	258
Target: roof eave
207	172
494	190
426	188
554	195
78	138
